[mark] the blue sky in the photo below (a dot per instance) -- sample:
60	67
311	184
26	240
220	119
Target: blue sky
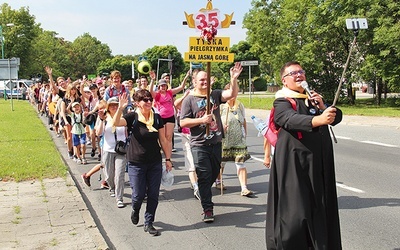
131	26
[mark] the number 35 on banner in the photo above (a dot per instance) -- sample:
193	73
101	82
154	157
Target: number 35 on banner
206	18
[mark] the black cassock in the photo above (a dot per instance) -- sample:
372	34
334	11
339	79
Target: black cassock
302	208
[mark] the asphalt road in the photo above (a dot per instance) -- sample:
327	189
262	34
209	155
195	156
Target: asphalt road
367	170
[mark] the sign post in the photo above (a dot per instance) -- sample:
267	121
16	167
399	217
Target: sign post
249	63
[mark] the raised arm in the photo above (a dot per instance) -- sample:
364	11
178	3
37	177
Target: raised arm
178	102
182	86
49	72
119	121
151	87
234	88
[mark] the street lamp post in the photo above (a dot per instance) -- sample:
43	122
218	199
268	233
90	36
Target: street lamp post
2	38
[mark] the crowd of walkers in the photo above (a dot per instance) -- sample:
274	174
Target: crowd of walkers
105	112
93	115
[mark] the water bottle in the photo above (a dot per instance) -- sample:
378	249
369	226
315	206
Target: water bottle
260	125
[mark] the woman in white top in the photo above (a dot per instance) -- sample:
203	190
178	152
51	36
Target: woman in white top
114	164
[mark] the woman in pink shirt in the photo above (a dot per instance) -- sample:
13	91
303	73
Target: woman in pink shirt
164	102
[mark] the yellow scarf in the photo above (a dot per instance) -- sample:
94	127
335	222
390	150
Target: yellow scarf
149	123
285	92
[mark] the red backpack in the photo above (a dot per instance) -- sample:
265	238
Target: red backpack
272	132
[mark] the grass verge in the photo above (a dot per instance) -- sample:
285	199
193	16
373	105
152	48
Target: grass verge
27	150
362	107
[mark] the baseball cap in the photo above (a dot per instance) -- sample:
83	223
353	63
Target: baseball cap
164	75
112	100
74	104
162	82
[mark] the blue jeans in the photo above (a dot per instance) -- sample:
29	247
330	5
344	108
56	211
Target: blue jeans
207	160
145	177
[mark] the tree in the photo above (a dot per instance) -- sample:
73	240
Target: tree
86	53
165	52
120	63
51	51
381	67
20	36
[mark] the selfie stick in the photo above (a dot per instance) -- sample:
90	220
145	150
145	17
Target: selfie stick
354	24
344	70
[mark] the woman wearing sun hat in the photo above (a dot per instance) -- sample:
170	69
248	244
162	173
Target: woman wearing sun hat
114	164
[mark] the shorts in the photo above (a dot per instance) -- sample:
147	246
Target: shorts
169	119
78	139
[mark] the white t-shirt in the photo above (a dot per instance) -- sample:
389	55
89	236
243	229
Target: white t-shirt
109	137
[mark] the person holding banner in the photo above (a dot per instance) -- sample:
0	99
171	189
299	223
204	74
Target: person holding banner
201	113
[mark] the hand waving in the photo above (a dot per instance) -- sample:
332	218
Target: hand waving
236	70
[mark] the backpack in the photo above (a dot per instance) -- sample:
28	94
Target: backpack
272	131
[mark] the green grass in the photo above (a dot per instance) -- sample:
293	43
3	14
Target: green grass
363	107
26	149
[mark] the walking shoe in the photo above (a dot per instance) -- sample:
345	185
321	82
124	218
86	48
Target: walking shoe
218	186
149	228
104	185
93	152
88	143
246	192
196	193
70	155
120	204
84	161
173	150
99	157
112	192
135	217
75	158
86	179
79	161
208	216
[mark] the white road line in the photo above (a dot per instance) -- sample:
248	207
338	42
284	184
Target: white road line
380	144
257	159
356	190
343	137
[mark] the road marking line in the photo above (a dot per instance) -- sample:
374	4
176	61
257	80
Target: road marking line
350	188
257	159
343	137
356	190
380	144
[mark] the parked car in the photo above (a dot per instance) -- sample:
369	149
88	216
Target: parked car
16	88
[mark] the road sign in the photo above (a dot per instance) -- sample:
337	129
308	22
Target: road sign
356	24
249	63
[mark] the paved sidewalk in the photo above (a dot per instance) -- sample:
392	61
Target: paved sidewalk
46	215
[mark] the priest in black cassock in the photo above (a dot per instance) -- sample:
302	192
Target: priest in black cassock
302	209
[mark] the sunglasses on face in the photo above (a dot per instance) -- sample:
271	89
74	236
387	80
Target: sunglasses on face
147	99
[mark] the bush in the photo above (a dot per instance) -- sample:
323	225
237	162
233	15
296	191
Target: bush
260	84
